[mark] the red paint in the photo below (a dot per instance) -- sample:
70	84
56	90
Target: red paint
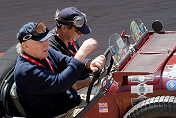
119	97
1	54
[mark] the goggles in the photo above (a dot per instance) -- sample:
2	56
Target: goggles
78	21
39	30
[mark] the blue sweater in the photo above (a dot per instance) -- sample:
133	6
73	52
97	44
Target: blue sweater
44	93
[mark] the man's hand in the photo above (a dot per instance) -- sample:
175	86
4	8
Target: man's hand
88	46
97	63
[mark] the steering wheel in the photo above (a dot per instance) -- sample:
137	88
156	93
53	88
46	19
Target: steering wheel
115	43
96	75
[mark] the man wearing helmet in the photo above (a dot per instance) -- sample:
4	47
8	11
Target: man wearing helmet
70	25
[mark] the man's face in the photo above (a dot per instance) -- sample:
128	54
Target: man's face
37	49
73	34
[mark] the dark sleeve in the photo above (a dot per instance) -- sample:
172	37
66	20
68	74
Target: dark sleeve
86	73
32	76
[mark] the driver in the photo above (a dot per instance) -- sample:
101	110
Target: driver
70	25
44	77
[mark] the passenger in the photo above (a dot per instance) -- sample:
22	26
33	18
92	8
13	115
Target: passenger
44	77
70	25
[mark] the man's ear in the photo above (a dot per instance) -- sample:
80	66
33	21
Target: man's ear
63	28
25	45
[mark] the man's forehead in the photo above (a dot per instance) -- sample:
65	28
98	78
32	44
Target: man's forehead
31	42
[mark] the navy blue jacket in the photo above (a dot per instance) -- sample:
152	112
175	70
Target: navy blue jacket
44	93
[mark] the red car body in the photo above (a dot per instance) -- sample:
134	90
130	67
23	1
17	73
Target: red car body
154	61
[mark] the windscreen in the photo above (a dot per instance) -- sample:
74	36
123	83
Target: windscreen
119	49
137	30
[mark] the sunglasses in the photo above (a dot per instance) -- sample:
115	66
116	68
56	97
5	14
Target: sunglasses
39	30
77	31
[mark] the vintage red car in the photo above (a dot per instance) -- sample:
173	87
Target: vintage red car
142	81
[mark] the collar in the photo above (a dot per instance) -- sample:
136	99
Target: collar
37	59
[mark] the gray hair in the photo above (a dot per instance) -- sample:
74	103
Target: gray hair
19	48
56	15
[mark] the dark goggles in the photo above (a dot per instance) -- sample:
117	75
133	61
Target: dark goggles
39	30
78	21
